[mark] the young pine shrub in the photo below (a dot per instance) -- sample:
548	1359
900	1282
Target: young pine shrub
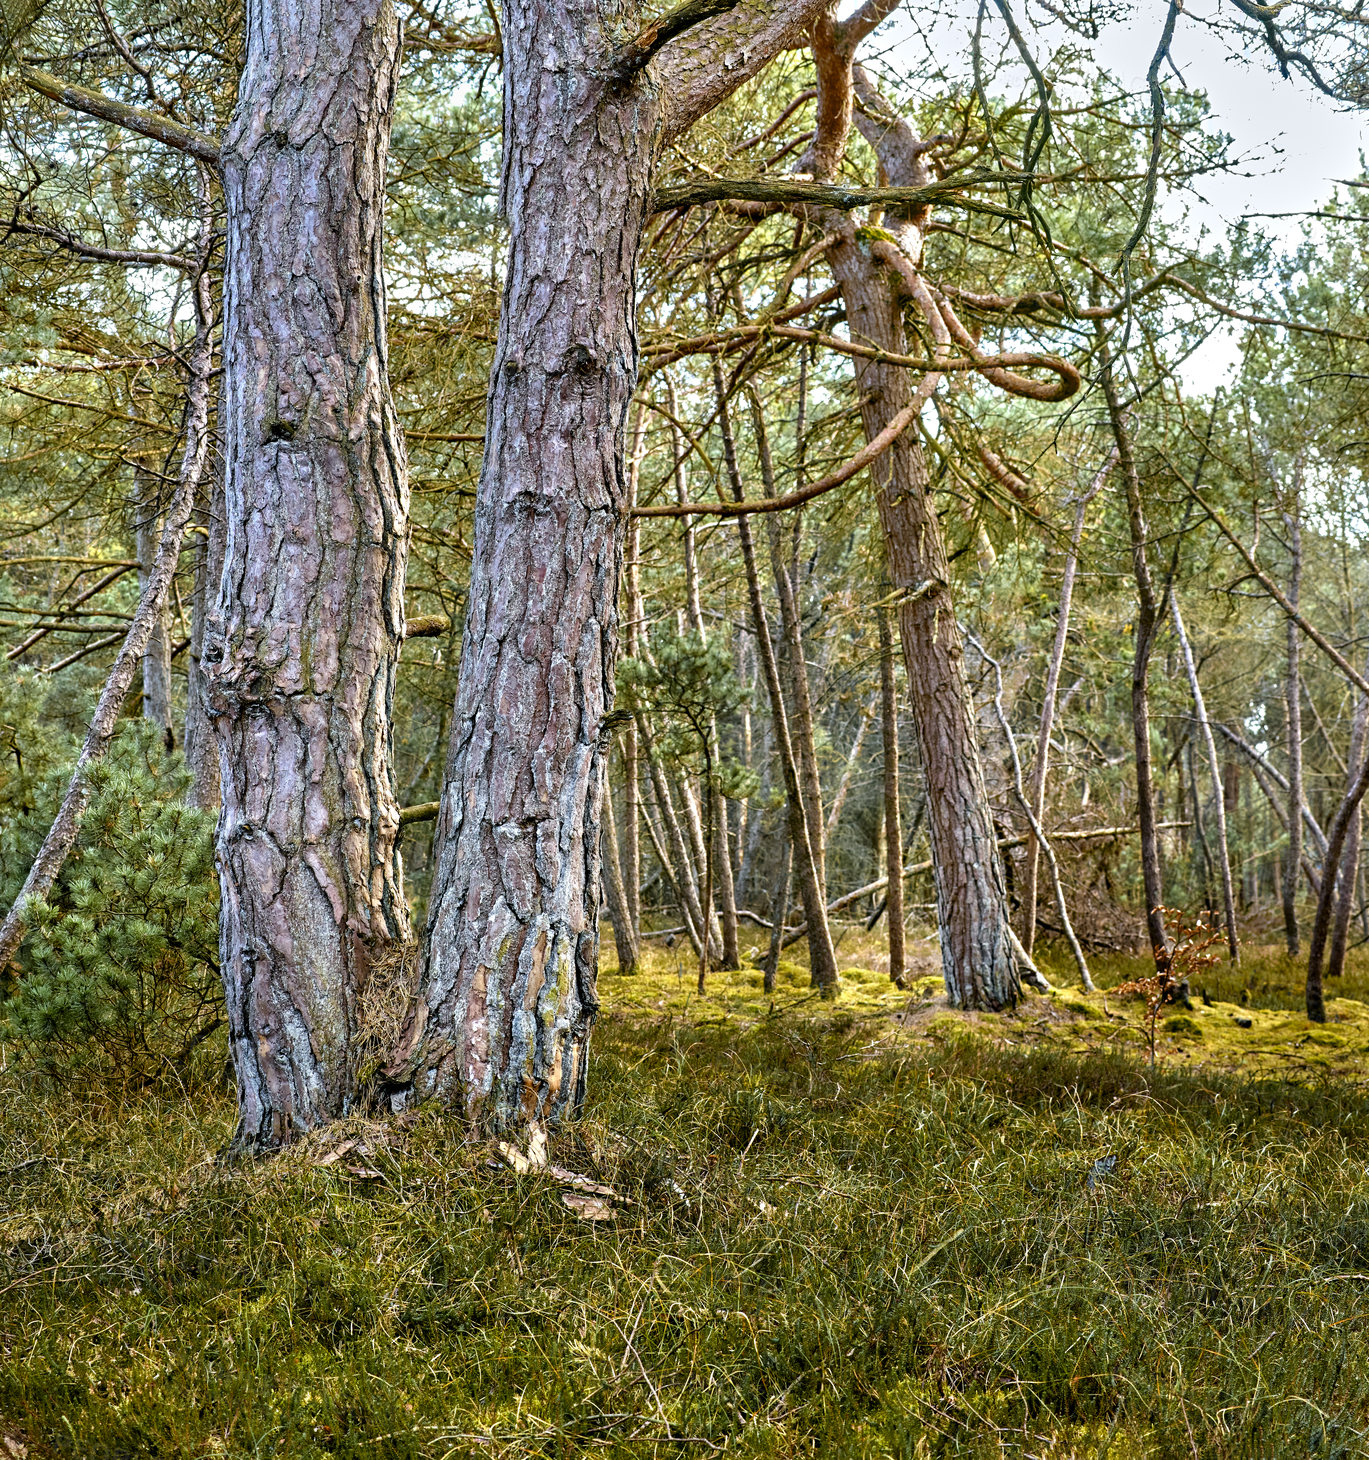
119	979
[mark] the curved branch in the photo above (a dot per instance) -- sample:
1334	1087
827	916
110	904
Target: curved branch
133	118
136	257
1065	385
868	453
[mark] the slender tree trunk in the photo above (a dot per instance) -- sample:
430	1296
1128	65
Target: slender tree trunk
848	771
302	647
801	727
1292	700
201	748
1215	766
980	963
62	835
157	654
624	938
1041	767
822	956
683	868
779	910
1349	863
722	875
683	901
893	825
1336	837
1147	628
632	789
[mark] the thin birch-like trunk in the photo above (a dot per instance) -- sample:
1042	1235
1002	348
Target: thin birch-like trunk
1292	700
66	826
893	821
1349	862
1215	766
1147	629
1041	767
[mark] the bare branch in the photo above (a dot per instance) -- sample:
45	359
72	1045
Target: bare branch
868	453
791	191
133	118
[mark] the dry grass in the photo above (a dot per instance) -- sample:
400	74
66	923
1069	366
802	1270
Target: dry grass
839	1233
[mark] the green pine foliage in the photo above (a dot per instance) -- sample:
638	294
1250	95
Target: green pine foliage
119	981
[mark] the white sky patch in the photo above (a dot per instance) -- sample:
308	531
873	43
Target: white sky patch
1294	143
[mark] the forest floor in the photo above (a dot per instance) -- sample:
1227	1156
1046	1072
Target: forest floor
866	1226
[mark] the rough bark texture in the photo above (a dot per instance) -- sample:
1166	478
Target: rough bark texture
893	821
301	649
508	991
507	998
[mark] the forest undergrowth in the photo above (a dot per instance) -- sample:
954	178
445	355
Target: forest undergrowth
787	1226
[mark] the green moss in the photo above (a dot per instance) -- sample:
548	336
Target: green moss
1184	1025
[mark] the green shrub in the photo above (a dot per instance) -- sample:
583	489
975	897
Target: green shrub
119	975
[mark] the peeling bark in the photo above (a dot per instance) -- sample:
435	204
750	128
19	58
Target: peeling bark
300	654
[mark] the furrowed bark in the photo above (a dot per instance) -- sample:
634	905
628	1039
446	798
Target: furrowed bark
301	652
62	835
507	992
507	999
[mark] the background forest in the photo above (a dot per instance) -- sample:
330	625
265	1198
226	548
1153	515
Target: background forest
833	1188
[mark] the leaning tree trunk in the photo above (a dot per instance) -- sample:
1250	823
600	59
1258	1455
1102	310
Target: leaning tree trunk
157	654
507	998
1349	862
300	654
978	958
893	823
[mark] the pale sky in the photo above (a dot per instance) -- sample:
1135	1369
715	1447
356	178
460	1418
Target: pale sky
1298	142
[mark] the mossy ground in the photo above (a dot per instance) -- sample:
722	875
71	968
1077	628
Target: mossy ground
840	1233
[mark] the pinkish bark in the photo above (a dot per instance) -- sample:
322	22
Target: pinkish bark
300	651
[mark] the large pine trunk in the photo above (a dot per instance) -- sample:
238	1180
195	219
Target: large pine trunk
300	652
978	958
507	995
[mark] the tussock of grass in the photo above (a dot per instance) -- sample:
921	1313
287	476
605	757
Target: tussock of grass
845	1237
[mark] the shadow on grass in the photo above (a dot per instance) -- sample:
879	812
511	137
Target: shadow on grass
827	1244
